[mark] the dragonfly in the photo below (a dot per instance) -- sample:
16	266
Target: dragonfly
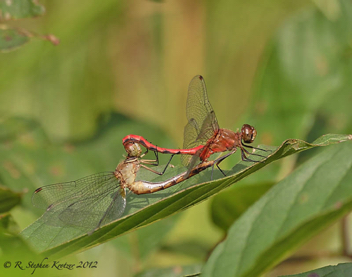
98	199
202	134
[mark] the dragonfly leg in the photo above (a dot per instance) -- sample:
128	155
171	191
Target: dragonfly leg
168	163
152	170
256	148
145	153
155	163
245	158
212	170
219	160
151	162
156	153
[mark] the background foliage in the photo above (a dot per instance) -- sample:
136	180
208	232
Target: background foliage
124	66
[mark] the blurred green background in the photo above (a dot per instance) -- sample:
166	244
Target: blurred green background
124	66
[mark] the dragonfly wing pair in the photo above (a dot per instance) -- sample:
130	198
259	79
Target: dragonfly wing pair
87	202
202	123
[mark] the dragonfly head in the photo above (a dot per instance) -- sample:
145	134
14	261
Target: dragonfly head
133	149
248	133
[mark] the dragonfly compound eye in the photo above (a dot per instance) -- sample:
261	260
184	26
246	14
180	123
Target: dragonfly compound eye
248	133
133	149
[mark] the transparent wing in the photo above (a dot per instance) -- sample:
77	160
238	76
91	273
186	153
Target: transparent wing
94	212
89	201
202	123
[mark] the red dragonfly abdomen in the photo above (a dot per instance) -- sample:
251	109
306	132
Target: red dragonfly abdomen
142	141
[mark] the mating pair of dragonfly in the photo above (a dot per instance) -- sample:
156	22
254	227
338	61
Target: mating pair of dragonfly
101	198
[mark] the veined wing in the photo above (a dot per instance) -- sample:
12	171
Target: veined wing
202	122
83	202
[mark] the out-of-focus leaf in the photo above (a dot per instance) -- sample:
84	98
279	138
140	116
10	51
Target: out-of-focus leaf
305	76
228	205
143	241
176	271
10	243
307	201
12	127
143	210
12	38
15	9
14	250
330	8
92	84
8	225
190	247
340	270
8	199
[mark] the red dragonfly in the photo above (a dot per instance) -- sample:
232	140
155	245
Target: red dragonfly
202	135
98	199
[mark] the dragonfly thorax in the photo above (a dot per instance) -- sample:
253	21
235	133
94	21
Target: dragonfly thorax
126	172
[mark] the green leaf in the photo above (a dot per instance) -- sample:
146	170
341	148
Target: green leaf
143	210
11	244
304	76
15	9
228	205
8	199
143	241
11	38
307	201
176	271
340	270
8	225
12	127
